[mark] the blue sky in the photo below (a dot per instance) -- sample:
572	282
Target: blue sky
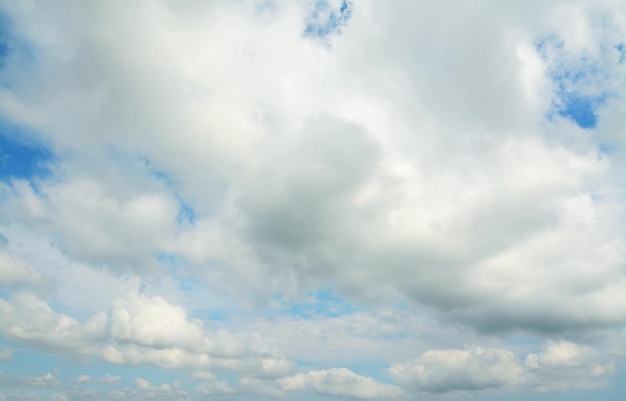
312	200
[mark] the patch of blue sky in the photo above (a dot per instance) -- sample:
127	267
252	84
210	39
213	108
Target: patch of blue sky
580	83
323	303
168	259
21	155
580	109
186	213
606	149
326	19
28	362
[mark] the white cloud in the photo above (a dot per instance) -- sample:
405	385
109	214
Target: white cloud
97	226
154	322
340	382
457	370
563	365
165	389
14	271
30	320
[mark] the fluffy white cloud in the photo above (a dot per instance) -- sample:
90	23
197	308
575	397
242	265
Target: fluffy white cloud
30	320
153	322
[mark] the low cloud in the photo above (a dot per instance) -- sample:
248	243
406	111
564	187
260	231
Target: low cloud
340	382
459	370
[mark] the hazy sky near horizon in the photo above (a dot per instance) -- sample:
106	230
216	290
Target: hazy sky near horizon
312	199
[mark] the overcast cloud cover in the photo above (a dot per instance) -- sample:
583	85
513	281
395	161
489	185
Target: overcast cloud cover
312	199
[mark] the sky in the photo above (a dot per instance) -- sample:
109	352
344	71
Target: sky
312	200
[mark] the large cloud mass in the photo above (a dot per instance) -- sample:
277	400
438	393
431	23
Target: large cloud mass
282	190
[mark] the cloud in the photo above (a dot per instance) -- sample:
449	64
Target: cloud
6	355
45	380
296	186
459	370
83	379
30	320
109	379
445	171
153	322
563	365
214	387
144	386
96	225
340	383
559	366
16	272
140	330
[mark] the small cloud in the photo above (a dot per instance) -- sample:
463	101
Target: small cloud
340	383
83	379
202	375
143	384
214	387
45	380
441	371
109	379
6	355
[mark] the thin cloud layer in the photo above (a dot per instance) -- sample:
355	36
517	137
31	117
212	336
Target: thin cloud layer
352	199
